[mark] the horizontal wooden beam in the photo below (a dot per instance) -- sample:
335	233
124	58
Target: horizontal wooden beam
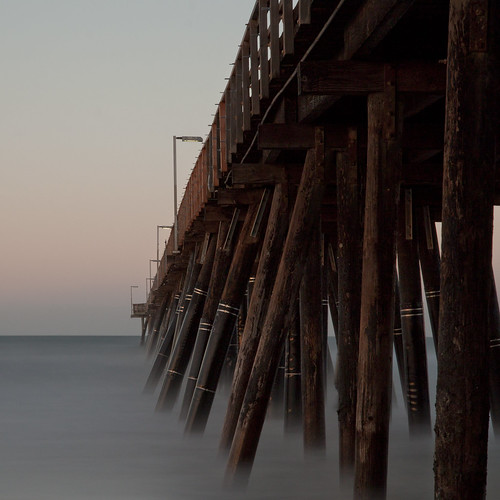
266	174
296	136
362	77
300	136
233	197
258	173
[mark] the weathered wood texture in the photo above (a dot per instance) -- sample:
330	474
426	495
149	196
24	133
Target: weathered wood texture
350	203
225	319
164	350
412	320
362	78
377	294
184	344
264	280
468	194
222	260
306	209
155	331
293	377
312	349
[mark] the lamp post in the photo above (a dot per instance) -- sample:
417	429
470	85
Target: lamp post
158	242
183	138
131	302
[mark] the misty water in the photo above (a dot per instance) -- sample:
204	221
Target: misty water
76	426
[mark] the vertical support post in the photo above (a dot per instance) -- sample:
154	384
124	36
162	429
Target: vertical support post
183	348
468	193
144	325
164	350
227	371
166	319
293	376
157	319
374	390
349	262
312	349
222	261
428	252
254	67
412	321
332	282
225	318
279	315
473	65
274	35
150	324
263	43
192	273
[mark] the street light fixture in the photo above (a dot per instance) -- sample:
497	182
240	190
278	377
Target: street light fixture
183	138
131	303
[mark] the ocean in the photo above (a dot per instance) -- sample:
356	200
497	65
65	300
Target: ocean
76	426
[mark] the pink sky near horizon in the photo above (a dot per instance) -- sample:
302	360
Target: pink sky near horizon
90	96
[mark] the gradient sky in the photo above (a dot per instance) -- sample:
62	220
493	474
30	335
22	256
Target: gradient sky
91	94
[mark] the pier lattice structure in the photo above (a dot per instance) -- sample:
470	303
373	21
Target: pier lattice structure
346	131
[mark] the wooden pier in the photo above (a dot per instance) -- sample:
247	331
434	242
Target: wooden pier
346	131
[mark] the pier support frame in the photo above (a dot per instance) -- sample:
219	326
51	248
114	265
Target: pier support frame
374	390
350	205
279	314
468	193
264	280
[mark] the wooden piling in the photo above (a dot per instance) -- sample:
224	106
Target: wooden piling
312	349
225	317
192	272
154	333
349	262
428	252
164	350
293	376
183	348
279	314
377	293
412	320
222	260
332	283
467	223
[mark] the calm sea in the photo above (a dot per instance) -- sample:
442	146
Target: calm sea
76	426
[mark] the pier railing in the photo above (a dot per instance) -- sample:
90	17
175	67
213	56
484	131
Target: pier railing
266	57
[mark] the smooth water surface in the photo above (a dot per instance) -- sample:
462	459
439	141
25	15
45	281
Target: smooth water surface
76	426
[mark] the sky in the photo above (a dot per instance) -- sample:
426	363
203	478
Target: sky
91	94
